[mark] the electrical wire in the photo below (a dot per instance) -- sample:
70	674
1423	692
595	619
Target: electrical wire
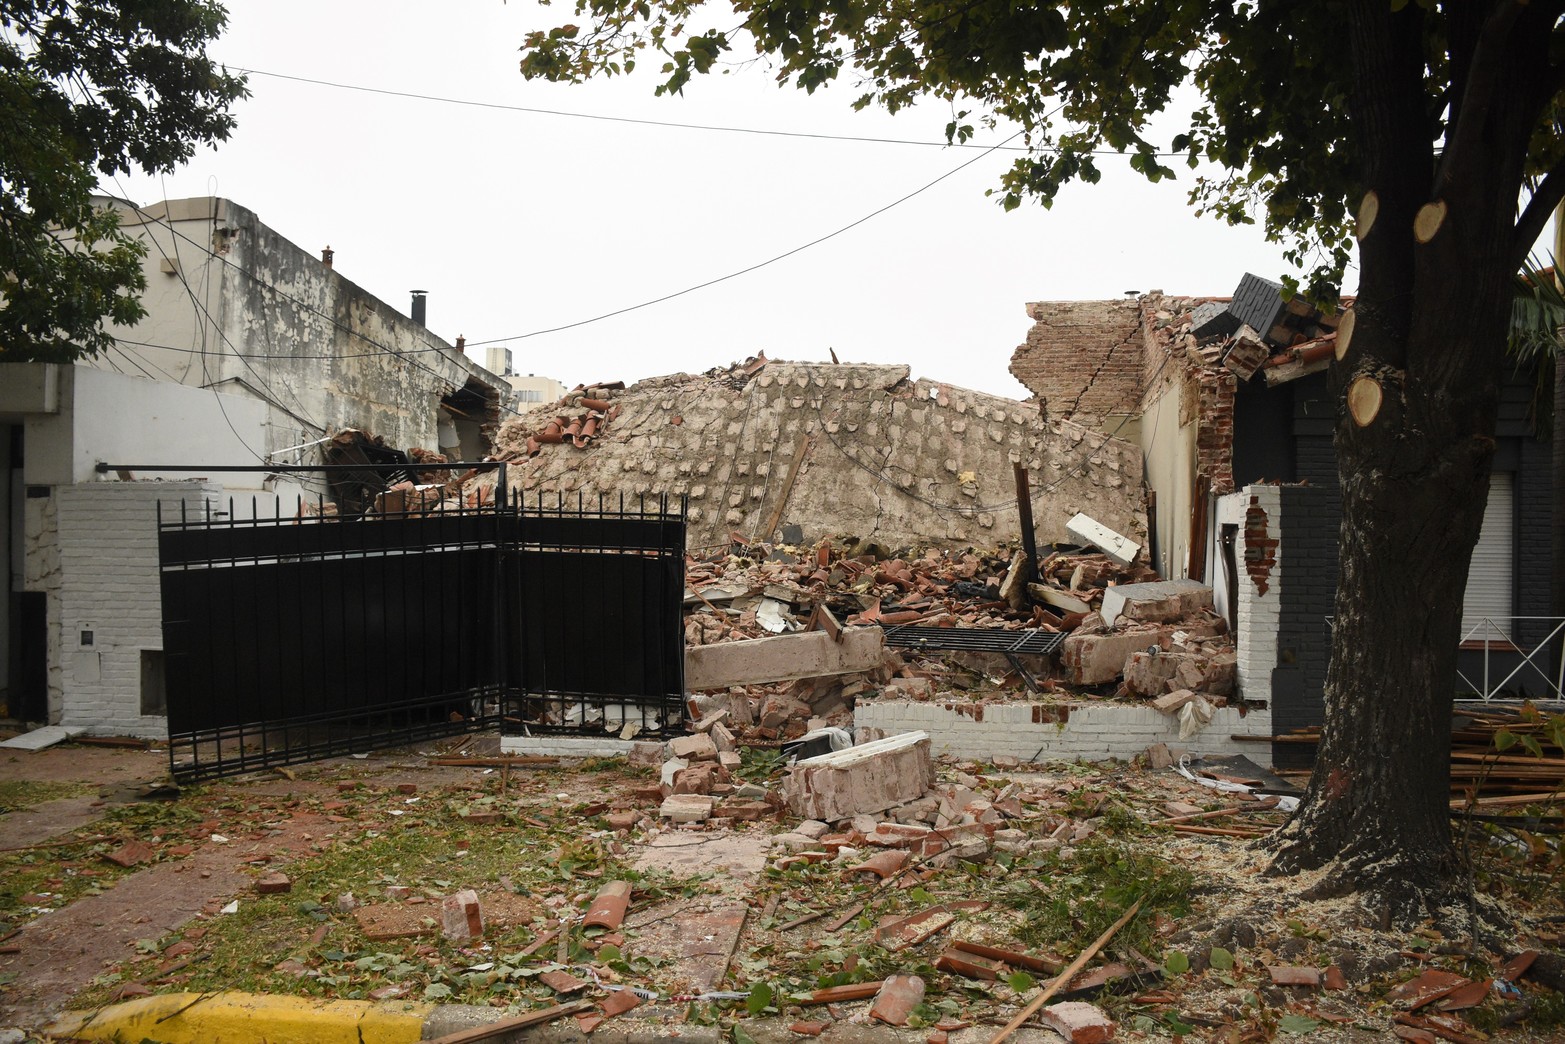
405	353
758	265
675	124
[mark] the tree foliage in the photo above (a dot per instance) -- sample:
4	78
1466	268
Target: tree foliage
1274	78
92	88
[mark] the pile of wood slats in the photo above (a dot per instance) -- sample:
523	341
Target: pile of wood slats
1483	776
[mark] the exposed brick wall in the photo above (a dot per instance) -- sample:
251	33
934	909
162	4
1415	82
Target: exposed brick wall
1083	358
108	583
1047	732
1214	444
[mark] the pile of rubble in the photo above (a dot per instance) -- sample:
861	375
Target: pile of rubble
1125	633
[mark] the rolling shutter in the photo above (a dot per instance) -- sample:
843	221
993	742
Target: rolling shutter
1492	573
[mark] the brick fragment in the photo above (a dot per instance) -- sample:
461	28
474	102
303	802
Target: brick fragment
1078	1022
461	918
1292	976
273	884
608	908
898	996
131	853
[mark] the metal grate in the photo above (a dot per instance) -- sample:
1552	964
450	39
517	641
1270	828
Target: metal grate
290	639
974	639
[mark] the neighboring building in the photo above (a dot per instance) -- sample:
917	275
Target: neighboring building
253	352
1235	427
530	390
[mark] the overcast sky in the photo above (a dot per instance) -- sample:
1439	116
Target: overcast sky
518	222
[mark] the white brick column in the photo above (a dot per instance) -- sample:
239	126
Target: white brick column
1259	556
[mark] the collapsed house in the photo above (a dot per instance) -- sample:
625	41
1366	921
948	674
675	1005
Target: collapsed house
824	450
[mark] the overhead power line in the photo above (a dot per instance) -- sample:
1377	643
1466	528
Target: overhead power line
674	124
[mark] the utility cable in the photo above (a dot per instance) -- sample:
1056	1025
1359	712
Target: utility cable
674	124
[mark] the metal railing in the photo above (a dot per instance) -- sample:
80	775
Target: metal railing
1497	636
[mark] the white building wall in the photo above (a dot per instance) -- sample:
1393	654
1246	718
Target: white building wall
108	585
1054	732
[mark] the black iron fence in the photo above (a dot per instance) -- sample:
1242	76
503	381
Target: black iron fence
290	639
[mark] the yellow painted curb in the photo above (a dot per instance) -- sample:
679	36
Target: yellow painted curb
248	1018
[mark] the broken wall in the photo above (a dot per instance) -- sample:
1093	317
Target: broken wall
1083	359
838	450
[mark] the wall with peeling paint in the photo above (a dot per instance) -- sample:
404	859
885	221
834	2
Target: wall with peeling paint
234	305
884	457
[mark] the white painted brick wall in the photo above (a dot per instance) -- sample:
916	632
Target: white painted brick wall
1092	731
566	746
1259	614
108	553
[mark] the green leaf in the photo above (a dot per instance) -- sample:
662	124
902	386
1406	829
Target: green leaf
1504	740
760	998
1020	981
1178	1026
437	991
1221	959
1176	963
741	1037
1294	1023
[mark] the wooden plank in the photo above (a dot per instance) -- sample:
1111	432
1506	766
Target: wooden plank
1069	973
520	1022
775	518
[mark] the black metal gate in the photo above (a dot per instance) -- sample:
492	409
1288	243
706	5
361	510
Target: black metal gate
290	639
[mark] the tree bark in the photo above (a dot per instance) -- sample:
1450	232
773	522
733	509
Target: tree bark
1430	331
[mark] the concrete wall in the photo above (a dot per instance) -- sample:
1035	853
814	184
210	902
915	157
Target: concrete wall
885	457
233	304
1055	732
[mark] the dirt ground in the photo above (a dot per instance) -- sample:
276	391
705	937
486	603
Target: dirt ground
727	923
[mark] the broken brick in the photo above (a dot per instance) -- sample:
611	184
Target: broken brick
461	919
882	864
698	747
608	909
1292	976
273	884
808	1029
618	1002
1078	1022
897	998
131	853
561	981
970	965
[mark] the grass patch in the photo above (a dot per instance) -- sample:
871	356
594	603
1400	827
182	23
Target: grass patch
60	871
18	794
556	862
1076	898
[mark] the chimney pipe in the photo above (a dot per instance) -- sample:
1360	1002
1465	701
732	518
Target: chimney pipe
461	342
418	306
326	256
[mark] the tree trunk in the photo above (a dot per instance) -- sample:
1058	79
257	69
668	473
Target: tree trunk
1414	453
1376	809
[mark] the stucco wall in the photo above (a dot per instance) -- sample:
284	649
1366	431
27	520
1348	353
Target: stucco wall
321	352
